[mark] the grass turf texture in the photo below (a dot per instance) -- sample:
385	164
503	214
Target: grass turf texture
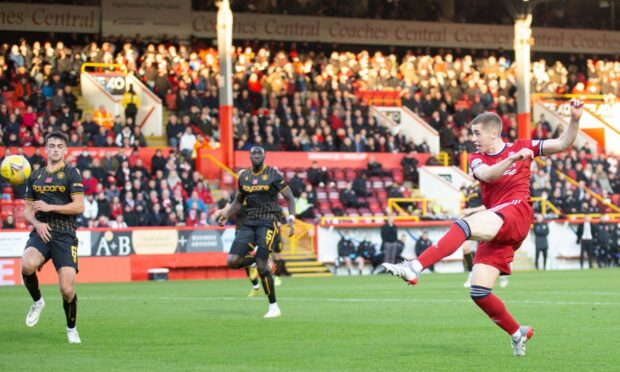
343	323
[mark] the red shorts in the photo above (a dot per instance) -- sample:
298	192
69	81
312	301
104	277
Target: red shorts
499	252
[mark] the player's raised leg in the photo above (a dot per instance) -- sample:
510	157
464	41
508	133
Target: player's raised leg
32	259
239	255
482	282
482	226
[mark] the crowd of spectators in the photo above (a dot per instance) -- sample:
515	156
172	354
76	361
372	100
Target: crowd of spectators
291	98
287	97
37	97
598	173
121	191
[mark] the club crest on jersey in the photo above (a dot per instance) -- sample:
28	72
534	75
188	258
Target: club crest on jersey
265	177
61	175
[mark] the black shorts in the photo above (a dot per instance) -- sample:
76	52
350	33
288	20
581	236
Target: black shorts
62	248
261	233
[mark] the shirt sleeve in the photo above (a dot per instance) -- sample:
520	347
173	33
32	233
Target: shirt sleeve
76	185
278	181
29	195
535	145
475	161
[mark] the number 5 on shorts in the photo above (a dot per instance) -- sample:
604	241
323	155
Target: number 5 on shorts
74	253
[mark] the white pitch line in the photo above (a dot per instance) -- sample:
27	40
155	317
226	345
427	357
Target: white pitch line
343	300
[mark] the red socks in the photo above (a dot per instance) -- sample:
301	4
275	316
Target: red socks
494	308
457	235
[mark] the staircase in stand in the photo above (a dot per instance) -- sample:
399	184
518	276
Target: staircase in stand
305	266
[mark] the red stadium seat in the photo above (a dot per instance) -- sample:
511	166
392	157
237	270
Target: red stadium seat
18	212
398	177
171	101
338	175
8	95
350	174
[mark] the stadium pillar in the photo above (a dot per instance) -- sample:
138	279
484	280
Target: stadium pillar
522	43
225	49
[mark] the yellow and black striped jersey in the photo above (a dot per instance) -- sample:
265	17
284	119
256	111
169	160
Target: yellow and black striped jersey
55	188
260	192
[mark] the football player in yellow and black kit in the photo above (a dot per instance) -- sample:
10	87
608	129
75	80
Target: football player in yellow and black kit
251	270
259	187
54	197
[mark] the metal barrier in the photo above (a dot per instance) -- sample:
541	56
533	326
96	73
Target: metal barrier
103	66
444	158
393	204
365	219
302	243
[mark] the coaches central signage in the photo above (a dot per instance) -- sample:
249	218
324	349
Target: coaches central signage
56	18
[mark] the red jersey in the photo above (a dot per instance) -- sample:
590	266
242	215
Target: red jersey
514	184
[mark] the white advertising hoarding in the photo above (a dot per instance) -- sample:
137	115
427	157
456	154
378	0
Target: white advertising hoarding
403	33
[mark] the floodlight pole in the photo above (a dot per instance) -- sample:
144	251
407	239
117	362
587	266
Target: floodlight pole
522	43
225	49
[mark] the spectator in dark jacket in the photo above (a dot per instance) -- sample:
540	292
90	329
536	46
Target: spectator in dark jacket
346	252
422	244
359	185
8	223
586	234
296	184
318	176
389	240
603	238
348	198
541	231
366	251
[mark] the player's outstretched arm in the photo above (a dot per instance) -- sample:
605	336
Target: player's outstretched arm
231	209
567	138
290	198
490	173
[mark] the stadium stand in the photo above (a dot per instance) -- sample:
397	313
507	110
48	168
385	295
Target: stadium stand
292	99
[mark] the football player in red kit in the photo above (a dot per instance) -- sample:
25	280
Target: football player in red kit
503	170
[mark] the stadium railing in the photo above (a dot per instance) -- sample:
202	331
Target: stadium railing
394	204
302	243
334	220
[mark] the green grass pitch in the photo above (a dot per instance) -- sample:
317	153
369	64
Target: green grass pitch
373	323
